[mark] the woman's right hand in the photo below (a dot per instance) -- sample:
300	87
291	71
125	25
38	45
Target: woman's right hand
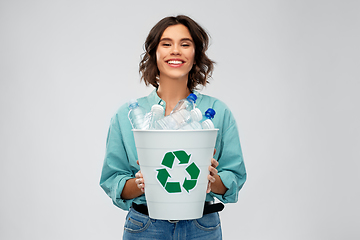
140	180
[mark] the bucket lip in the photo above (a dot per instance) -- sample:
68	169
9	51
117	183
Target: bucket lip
167	131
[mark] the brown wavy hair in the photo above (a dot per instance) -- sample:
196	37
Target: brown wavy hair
203	67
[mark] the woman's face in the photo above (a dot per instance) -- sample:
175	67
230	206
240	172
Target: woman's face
175	52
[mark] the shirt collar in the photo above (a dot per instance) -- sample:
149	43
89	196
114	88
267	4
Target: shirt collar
154	98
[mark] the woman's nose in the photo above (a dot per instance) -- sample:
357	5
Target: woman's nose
175	50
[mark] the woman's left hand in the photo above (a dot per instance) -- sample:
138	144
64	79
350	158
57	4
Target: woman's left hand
213	172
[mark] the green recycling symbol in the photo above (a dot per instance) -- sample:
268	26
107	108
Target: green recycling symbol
168	161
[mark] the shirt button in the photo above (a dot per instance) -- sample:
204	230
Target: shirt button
161	103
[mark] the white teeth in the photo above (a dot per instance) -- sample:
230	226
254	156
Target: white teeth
174	62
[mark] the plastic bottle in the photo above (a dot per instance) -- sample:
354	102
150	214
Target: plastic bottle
136	115
186	103
194	125
178	119
207	122
157	112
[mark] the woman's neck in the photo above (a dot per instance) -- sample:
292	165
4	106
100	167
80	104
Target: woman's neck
171	92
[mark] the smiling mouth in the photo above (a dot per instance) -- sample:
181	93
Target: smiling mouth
175	62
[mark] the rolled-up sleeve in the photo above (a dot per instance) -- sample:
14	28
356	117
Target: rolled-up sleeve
116	169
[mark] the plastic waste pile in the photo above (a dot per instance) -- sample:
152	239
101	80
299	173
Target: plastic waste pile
184	116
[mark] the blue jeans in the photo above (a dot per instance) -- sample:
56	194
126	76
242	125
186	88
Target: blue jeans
140	227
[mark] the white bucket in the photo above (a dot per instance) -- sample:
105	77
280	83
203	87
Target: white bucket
175	165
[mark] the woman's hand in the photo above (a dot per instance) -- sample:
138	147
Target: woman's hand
139	180
212	173
215	184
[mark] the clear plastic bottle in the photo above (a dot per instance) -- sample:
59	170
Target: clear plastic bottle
186	103
194	125
157	112
207	120
178	119
136	115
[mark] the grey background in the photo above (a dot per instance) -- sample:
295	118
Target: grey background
289	70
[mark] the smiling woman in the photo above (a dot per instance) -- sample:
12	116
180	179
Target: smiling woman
197	37
174	63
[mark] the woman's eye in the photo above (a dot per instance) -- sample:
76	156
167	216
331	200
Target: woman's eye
166	44
186	44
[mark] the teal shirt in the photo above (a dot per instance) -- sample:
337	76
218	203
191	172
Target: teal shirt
121	156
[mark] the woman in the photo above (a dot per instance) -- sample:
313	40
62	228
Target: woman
174	63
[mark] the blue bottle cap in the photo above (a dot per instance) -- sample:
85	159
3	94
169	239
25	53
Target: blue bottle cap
210	113
192	97
133	103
